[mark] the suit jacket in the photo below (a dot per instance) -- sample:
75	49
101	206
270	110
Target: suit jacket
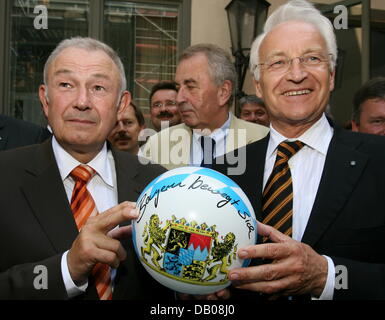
347	221
176	141
16	133
37	226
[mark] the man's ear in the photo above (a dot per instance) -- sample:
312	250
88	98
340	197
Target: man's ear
332	79
355	126
258	89
125	101
224	92
43	99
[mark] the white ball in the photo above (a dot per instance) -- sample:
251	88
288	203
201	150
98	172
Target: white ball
192	222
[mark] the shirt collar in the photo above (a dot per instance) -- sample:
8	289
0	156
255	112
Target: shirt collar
317	137
218	133
67	163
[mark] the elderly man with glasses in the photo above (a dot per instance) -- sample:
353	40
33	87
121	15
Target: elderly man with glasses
317	189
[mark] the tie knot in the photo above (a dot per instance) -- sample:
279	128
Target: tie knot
83	173
288	149
207	143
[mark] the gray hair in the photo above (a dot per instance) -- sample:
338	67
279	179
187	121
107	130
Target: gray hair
296	10
251	99
220	65
88	44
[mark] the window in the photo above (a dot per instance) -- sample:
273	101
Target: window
147	35
30	47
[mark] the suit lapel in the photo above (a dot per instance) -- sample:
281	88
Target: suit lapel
128	190
343	167
231	140
256	161
44	190
251	181
126	171
178	139
182	144
236	138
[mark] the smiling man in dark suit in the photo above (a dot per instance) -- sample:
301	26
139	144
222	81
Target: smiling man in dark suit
16	133
66	204
318	189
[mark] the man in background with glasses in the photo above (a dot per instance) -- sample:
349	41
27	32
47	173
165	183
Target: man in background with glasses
317	190
163	106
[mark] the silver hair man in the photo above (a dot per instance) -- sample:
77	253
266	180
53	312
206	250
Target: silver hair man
88	44
290	12
220	65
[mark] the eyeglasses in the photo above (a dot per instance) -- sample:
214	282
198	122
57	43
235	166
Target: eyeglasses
282	64
167	103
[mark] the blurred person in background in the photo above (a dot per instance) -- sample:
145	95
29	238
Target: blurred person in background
253	109
125	134
369	107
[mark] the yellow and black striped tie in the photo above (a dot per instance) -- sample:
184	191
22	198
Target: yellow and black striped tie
277	201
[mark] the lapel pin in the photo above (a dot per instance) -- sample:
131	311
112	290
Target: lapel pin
353	163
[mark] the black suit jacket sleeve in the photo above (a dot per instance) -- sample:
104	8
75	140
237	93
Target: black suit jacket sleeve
37	226
364	280
26	281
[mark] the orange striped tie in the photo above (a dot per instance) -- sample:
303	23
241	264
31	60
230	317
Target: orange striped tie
83	206
277	200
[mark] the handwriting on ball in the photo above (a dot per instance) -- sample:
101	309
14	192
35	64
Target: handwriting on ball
197	184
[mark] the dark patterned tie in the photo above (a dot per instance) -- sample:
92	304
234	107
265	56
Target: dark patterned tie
277	201
208	148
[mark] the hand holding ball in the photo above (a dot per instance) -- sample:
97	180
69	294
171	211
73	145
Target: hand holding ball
192	221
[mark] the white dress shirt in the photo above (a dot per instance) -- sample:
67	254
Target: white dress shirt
219	135
102	188
306	168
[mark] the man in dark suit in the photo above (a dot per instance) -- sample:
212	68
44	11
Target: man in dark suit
54	243
16	133
319	190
